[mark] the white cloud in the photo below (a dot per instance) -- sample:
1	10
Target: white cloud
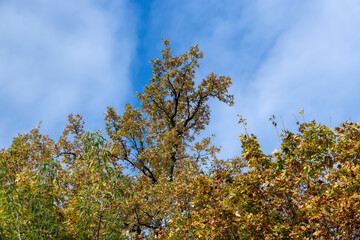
312	66
283	56
61	57
314	63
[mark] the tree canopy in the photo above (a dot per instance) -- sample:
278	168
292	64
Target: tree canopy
150	177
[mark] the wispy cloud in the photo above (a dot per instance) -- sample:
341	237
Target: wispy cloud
61	57
312	66
282	56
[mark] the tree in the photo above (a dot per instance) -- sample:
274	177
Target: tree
307	190
147	179
156	140
30	189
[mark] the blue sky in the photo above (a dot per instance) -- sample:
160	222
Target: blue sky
62	57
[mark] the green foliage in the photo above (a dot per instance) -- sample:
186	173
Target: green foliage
30	194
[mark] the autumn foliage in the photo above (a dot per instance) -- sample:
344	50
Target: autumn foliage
151	177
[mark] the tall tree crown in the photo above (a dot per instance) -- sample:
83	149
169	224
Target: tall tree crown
173	110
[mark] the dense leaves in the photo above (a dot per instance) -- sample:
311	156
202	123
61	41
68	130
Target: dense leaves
152	177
